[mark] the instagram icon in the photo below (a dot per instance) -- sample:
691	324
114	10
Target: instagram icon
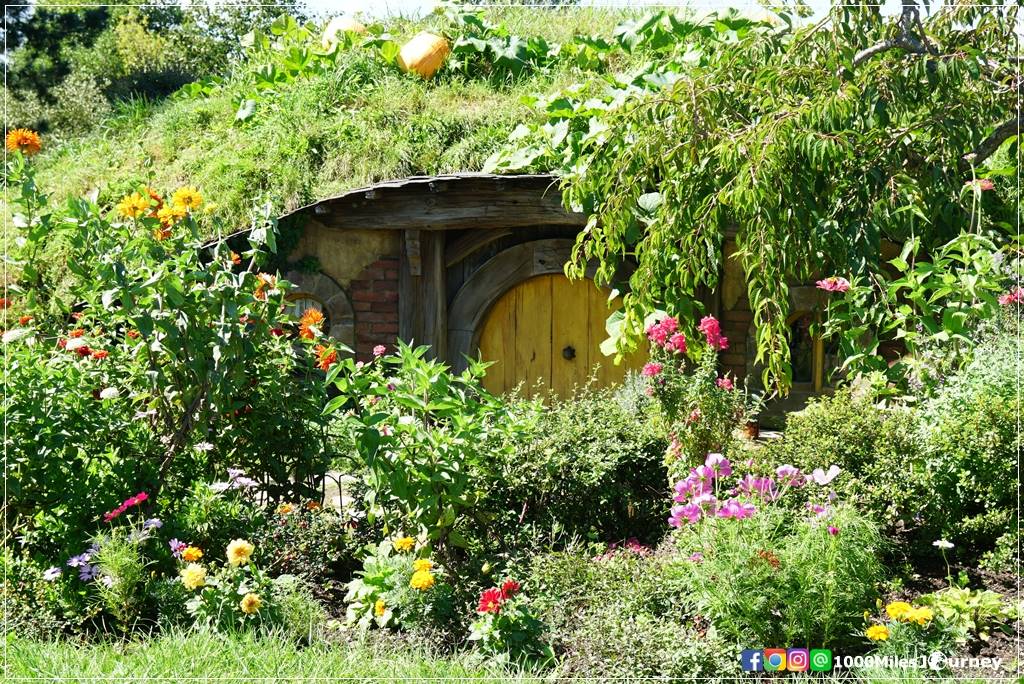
797	659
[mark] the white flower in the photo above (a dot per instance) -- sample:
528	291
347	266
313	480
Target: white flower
942	544
110	393
203	446
822	478
16	334
75	343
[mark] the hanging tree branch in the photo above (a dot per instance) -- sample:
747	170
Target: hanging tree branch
987	147
906	40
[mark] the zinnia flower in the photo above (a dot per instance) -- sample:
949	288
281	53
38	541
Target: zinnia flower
421	580
133	205
379	607
191	554
239	552
24	320
326	356
423	564
193	576
100	354
490	601
833	284
25	141
265	281
309	323
250	603
510	588
725	383
404	544
187	198
379	350
877	633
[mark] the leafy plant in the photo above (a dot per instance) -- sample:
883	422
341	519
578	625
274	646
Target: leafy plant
506	627
964	613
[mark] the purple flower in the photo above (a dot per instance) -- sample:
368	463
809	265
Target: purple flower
152	523
734	508
688	513
107	581
706	502
718	464
833	530
177	547
818	510
790	475
79	560
52	574
88	572
696	557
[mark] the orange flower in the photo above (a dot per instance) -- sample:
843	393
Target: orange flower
326	356
25	140
162	233
133	334
4	303
169	215
266	281
24	320
77	332
235	259
311	318
100	354
312	505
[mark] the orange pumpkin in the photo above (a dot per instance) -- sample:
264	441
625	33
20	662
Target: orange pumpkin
424	54
336	27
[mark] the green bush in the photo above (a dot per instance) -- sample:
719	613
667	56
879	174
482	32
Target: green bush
778	578
589	467
624	615
970	429
878	449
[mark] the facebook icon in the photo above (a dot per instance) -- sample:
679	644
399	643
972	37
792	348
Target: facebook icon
750	660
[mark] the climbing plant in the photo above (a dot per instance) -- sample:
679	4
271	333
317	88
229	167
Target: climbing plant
812	143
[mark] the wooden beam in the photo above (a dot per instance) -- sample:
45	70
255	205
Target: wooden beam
472	242
422	305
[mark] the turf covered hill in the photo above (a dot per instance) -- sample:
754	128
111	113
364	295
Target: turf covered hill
290	124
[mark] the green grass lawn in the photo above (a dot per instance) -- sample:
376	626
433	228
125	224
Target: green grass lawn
198	657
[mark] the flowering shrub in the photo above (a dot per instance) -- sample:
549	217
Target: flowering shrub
506	627
150	363
399	587
903	629
792	577
702	407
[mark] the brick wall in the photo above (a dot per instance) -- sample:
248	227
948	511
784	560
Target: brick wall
375	306
735	325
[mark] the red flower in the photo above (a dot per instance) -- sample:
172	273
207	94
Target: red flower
1012	297
4	303
490	601
62	343
24	320
509	588
83	350
277	332
100	354
133	334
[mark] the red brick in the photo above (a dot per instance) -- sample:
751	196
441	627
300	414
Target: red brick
733	360
391	274
379	317
376	296
384	307
385	286
391	328
361	306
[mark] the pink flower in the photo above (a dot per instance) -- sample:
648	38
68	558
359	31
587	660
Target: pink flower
656	334
718	464
660	332
834	284
696	557
725	383
677	343
651	369
833	530
790	475
982	184
818	510
1012	297
713	333
706	502
379	350
736	509
688	513
694	416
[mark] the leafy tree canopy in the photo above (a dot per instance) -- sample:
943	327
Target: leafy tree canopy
812	143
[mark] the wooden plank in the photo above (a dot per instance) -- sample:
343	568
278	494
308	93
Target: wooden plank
533	333
473	242
570	314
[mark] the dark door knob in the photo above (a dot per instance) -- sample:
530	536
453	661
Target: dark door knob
569	353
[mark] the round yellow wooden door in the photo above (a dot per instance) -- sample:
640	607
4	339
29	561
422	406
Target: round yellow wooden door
548	330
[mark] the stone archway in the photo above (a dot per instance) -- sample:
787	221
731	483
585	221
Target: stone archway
332	299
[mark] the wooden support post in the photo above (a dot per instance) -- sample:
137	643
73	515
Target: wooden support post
422	303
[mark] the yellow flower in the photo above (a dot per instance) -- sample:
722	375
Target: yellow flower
25	140
169	215
422	564
897	609
422	580
193	576
378	607
191	554
133	205
250	603
877	632
187	198
403	544
239	552
285	509
921	616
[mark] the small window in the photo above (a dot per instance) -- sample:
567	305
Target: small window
301	302
812	360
